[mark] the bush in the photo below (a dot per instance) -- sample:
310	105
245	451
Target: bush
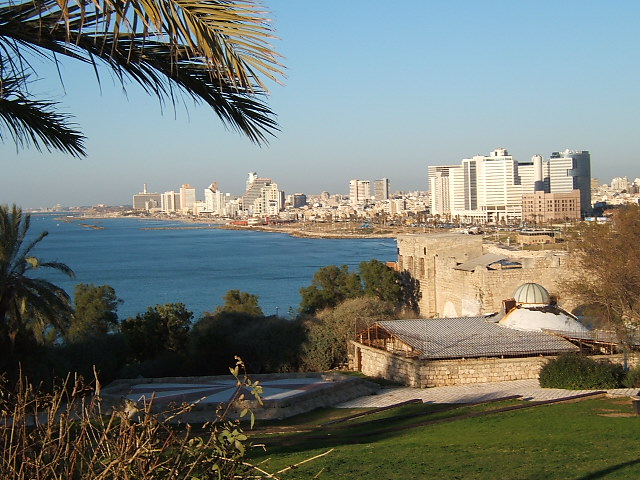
329	332
128	441
577	372
632	378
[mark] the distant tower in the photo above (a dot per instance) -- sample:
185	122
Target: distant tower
571	170
538	178
381	189
359	191
144	188
253	176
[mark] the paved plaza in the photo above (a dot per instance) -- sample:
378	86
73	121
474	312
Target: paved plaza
527	389
213	392
220	391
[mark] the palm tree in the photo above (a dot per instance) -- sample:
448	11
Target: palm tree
214	51
27	304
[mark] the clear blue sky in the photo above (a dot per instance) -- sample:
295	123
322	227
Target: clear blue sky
374	89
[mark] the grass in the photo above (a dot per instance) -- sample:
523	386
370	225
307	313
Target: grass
590	439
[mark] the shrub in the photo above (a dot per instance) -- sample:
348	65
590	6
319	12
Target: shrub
43	440
575	372
632	378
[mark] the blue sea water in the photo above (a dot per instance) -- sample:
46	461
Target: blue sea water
193	266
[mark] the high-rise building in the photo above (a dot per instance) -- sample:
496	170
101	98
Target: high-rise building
491	188
381	189
269	202
483	188
299	200
571	170
146	200
446	183
359	191
170	201
214	200
255	201
187	198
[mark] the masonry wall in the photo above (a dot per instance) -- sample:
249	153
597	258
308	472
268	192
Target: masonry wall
439	373
447	292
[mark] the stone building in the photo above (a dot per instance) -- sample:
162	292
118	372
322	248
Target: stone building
459	275
512	344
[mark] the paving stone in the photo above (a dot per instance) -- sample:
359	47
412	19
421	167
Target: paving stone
527	389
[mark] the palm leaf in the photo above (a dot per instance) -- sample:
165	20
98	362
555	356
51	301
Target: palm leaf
215	51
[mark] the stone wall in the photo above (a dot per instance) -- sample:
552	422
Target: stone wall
439	373
448	292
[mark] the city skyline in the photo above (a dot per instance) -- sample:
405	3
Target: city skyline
380	96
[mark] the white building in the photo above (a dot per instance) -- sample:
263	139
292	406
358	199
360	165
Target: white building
446	183
214	200
269	202
359	191
170	202
490	188
187	198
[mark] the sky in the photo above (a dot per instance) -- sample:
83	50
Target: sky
373	89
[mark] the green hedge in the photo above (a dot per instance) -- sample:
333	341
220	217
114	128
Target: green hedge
577	372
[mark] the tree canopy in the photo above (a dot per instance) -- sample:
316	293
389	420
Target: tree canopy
95	311
161	329
214	51
606	268
236	301
332	285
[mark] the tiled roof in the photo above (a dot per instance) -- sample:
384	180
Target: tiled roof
468	337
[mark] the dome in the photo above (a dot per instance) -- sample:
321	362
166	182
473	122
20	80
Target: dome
531	294
537	320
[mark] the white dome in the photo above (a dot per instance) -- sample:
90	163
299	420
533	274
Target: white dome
531	294
535	320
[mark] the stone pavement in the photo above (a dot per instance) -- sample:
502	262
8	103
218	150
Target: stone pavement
479	392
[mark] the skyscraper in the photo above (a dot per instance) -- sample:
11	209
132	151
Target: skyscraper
381	189
262	196
571	170
359	191
214	199
491	188
187	197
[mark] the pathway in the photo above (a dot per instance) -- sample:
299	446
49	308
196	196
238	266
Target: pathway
527	389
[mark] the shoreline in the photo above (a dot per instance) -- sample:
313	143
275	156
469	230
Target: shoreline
297	230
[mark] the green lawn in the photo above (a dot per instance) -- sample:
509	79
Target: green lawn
590	439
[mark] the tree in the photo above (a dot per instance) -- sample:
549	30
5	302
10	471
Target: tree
27	304
381	281
95	311
330	285
240	302
605	270
330	331
161	329
216	52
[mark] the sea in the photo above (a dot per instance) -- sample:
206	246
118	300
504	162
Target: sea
150	262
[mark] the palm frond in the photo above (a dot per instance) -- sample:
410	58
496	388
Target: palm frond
33	122
216	51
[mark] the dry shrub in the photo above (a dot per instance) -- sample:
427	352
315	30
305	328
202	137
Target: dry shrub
69	434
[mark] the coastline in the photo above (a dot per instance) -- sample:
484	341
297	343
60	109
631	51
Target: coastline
340	230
